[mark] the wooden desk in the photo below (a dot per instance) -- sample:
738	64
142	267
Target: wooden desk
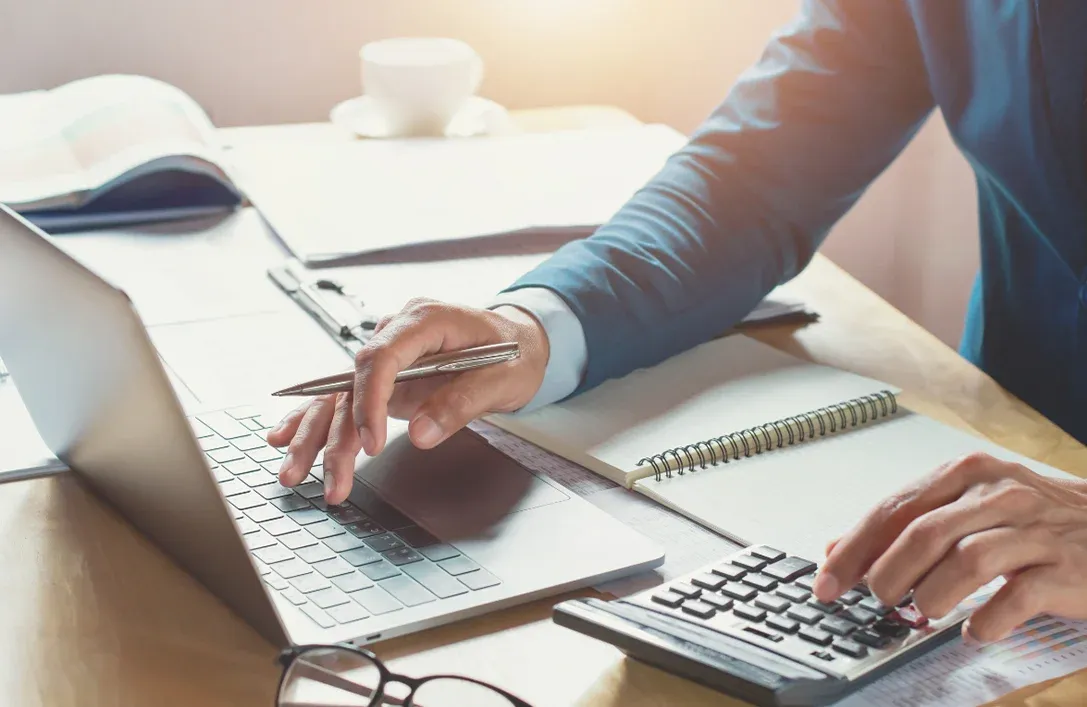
92	614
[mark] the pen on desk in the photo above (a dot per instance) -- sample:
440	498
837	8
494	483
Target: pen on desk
436	365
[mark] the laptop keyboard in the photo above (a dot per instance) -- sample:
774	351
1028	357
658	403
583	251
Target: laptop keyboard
337	564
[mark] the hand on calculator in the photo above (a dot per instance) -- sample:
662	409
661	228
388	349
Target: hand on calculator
348	423
954	531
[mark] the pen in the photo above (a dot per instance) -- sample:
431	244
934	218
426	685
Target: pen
436	365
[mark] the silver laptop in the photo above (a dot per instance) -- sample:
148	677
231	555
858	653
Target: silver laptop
425	538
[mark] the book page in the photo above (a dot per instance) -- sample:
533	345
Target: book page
80	136
799	498
715	389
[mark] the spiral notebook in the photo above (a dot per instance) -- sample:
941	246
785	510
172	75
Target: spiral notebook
751	442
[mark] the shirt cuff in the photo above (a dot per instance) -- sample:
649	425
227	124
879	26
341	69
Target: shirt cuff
566	339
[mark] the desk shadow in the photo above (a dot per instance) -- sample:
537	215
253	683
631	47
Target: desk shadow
120	623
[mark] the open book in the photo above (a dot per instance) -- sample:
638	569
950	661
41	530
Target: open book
110	150
751	442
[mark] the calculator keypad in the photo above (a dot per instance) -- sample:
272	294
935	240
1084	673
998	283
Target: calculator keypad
763	595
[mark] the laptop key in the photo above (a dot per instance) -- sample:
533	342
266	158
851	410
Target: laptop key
310	489
403	556
378	571
437	553
376	600
319	616
276	582
242	466
331	568
297	539
326	598
407	591
310	582
364	529
246	526
458	565
346	613
265	456
351	582
438	582
227	454
275	491
257	540
307	516
221	474
315	553
346	513
358	556
245	501
416	537
288	501
263	514
293	596
252	425
384	543
258	478
325	529
479	580
280	526
199	428
224	425
273	554
343	543
291	568
213	441
233	487
248	443
242	412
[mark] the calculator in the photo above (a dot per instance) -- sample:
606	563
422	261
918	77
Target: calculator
750	626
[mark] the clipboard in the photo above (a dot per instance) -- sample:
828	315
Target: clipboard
340	312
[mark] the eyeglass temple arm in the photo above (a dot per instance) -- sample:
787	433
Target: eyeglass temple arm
316	672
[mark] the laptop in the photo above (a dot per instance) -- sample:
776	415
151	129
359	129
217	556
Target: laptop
426	537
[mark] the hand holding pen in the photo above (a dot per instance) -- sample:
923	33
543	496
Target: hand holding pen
353	417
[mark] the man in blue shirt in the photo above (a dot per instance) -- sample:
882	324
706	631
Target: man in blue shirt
835	97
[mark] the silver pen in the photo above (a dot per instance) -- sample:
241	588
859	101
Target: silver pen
436	365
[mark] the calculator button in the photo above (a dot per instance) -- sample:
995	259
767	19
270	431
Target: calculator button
749	612
760	581
851	597
789	569
806	581
805	615
837	626
782	624
875	606
720	602
768	635
698	608
749	562
772	603
891	629
815	635
669	599
712	582
911	617
767	553
794	594
731	572
863	589
739	591
858	615
871	638
823	655
831	608
685	589
850	648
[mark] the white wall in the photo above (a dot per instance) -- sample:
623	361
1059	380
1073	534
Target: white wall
912	238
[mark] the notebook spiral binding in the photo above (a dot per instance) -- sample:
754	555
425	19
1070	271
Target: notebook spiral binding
773	435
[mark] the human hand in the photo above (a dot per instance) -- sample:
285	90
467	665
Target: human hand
954	531
347	423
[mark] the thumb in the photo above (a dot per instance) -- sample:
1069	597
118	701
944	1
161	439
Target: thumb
455	404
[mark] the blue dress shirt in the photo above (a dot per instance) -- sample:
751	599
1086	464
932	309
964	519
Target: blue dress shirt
835	97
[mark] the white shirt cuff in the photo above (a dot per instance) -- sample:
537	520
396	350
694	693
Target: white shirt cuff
566	339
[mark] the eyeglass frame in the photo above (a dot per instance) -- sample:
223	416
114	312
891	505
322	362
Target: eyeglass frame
289	655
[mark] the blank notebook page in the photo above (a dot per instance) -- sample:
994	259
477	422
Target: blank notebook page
797	499
715	389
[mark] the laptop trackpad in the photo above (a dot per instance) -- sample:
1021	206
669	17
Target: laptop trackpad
460	489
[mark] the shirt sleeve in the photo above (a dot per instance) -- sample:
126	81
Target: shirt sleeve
744	205
566	341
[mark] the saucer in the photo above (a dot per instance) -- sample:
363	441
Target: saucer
363	117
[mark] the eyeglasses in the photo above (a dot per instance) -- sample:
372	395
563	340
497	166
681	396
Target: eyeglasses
345	676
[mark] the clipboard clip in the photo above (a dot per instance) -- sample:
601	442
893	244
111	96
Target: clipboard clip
342	314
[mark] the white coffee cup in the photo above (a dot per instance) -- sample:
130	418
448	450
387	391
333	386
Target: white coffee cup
419	83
